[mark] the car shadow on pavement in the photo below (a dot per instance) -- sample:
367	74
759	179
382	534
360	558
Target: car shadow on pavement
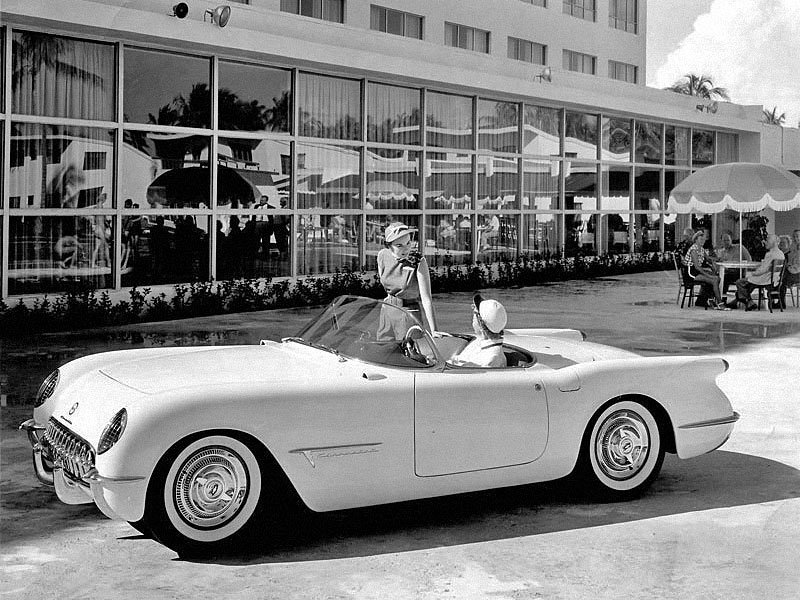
717	480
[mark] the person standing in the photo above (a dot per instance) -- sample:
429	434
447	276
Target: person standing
404	275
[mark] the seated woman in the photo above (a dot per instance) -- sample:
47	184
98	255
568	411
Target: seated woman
701	269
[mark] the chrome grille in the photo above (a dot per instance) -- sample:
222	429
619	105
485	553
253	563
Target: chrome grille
69	450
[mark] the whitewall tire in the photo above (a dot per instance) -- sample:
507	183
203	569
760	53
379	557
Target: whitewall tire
623	451
204	497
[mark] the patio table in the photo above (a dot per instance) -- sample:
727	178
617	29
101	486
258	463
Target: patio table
747	265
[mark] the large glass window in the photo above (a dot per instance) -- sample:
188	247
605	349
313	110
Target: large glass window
448	239
527	51
702	148
623	15
448	181
542	233
393	114
581	135
376	223
498	126
166	89
498	179
676	145
616	188
55	166
540	184
579	62
580	186
328	243
649	138
727	147
253	173
165	170
162	249
541	131
57	254
327	10
254	98
616	139
497	236
253	245
583	9
392	179
395	21
330	107
449	121
63	77
328	176
647	183
469	38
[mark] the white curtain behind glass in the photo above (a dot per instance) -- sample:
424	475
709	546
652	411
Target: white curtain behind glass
61	77
329	107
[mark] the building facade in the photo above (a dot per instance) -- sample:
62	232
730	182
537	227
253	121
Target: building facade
142	147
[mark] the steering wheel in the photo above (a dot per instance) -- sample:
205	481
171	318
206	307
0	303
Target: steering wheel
410	346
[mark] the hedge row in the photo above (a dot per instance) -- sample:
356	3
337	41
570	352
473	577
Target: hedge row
85	308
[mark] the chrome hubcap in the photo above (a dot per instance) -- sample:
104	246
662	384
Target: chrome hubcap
211	487
622	445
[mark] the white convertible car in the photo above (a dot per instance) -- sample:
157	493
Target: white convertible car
200	446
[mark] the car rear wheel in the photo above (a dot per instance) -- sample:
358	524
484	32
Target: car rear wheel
622	452
204	495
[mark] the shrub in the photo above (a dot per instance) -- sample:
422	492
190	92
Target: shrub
82	308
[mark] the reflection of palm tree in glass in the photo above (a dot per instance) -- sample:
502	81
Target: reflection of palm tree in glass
399	129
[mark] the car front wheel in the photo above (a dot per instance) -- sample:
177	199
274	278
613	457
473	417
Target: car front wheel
623	452
204	496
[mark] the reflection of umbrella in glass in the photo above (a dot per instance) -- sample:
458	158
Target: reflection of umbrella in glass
191	185
743	187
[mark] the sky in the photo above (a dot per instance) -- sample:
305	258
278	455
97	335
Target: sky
750	47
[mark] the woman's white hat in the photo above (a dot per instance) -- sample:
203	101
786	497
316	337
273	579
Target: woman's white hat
493	314
396	230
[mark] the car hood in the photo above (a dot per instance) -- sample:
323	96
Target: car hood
176	368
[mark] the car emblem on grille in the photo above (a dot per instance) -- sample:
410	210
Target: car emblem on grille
73	409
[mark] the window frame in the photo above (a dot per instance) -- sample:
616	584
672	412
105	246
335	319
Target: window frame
517	42
459	29
384	18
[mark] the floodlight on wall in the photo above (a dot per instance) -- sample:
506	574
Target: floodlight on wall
545	75
220	15
709	108
180	10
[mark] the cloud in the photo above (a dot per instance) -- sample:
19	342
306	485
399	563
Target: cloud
751	47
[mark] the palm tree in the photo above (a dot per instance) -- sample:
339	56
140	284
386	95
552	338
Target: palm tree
699	85
771	117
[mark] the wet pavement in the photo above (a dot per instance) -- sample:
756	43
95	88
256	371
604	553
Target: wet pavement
720	526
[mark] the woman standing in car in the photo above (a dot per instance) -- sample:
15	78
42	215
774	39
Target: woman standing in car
403	273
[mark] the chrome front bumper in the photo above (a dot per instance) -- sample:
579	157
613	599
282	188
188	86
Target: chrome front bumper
44	472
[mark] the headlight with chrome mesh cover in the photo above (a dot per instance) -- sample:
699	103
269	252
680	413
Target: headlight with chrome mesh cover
46	389
113	431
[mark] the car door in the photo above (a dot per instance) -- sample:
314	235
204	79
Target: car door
468	419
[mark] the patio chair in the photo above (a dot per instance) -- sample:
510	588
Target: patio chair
685	283
771	291
794	294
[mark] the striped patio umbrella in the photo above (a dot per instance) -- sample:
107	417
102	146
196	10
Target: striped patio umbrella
743	187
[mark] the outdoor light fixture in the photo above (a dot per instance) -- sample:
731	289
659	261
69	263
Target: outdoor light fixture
545	75
710	108
220	15
180	10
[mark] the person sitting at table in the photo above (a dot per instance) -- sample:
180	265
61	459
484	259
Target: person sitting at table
682	248
730	252
792	275
701	269
761	275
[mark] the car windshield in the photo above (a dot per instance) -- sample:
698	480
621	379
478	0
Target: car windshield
370	330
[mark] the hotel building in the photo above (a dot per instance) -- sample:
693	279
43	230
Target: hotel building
150	142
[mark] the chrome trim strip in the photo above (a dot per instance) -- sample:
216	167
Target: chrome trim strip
711	422
95	477
312	454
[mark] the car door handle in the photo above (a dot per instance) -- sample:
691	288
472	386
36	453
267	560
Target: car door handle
373	376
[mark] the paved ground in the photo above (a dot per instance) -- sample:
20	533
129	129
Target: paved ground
724	525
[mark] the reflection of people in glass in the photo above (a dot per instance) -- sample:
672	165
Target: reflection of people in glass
159	248
490	231
404	274
280	225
